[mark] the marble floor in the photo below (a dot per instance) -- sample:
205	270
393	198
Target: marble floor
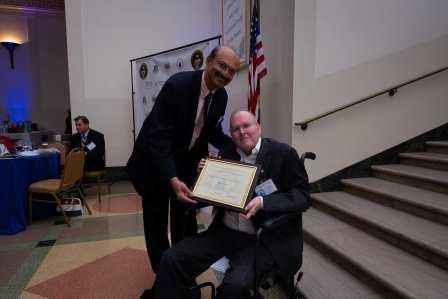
102	255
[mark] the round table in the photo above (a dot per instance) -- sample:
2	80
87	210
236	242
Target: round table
16	174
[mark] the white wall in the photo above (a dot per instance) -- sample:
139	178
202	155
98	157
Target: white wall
277	28
103	35
345	50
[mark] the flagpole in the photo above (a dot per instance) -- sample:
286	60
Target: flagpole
257	68
259	83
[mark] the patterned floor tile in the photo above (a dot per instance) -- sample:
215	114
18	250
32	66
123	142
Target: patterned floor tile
46	243
129	203
67	257
10	261
100	256
103	228
123	274
31	234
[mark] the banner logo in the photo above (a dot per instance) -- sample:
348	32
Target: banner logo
197	59
143	71
180	64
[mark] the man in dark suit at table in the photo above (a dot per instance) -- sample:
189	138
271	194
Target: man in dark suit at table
187	115
91	141
282	188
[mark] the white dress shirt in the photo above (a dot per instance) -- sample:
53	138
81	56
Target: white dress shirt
235	220
199	120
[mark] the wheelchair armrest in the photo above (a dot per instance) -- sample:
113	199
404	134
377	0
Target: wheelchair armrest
276	221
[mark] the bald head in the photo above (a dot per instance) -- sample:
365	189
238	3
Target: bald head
245	130
221	66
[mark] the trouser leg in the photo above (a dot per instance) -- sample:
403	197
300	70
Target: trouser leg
155	221
186	260
181	224
239	279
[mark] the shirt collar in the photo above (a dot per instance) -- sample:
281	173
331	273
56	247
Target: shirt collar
254	151
204	88
85	133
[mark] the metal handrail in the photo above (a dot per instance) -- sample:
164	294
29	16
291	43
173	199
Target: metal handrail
390	91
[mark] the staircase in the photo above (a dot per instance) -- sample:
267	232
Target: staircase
384	236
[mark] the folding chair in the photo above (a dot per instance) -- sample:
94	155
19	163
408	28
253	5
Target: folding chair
70	180
62	148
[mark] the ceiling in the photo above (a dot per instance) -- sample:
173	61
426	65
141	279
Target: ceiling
40	4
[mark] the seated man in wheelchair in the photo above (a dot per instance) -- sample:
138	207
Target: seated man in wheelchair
234	235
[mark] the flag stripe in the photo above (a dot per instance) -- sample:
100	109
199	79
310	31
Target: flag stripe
257	67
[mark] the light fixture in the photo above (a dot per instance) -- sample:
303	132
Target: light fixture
10	46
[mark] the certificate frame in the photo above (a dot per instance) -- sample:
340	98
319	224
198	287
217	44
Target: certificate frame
226	183
235	27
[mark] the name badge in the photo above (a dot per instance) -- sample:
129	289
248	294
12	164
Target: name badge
265	188
91	146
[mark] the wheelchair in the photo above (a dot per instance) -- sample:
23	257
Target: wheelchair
272	277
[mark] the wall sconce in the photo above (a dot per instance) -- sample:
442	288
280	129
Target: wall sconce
10	46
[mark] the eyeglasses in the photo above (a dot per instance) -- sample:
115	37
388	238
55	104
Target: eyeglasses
226	68
242	127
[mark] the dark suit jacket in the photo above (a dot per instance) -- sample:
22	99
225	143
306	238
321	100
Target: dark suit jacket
280	163
95	158
161	149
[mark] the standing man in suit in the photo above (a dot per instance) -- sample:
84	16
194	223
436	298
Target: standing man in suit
285	190
91	141
187	115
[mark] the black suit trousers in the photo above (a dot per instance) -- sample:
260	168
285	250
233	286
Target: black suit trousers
155	221
189	258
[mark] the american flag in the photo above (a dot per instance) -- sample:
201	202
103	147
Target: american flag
257	68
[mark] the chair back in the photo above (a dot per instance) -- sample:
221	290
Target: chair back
74	168
62	148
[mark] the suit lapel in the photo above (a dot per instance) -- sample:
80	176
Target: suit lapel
196	80
263	158
233	154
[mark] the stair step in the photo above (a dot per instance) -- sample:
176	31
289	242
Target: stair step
437	146
424	238
431	179
324	279
374	261
426	159
423	203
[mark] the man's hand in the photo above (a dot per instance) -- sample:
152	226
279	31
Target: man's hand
253	206
201	165
183	193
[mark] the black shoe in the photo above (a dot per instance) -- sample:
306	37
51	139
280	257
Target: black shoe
147	294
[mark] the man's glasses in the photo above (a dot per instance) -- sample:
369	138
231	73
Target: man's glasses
224	67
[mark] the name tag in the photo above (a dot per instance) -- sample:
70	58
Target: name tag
91	145
265	188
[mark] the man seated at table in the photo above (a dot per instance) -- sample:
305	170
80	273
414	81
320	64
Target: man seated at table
231	234
91	141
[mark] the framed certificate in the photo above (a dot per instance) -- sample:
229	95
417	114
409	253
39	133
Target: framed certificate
226	183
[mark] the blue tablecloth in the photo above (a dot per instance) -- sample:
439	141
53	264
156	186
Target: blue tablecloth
16	175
